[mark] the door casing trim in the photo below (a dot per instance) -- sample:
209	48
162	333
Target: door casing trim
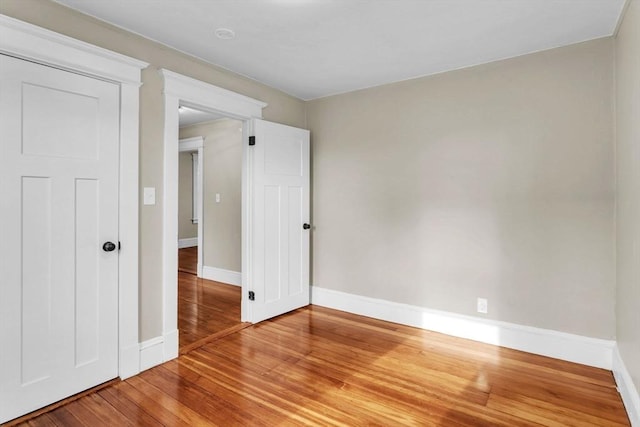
183	90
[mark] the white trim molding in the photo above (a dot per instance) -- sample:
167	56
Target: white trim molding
182	90
156	351
151	353
170	345
32	43
559	345
190	144
187	243
221	275
129	236
627	388
37	44
198	94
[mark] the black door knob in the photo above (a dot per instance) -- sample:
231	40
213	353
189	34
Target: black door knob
109	246
306	226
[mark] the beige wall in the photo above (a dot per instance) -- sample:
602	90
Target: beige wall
628	192
282	108
222	174
186	228
494	181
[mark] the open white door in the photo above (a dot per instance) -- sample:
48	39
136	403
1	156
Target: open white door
59	149
279	219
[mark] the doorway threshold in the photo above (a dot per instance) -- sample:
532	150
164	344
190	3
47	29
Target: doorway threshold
211	338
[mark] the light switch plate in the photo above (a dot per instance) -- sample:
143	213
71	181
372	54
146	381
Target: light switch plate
149	196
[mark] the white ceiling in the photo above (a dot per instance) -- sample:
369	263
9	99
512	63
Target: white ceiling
314	48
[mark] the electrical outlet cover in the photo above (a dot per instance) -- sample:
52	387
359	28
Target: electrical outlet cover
483	305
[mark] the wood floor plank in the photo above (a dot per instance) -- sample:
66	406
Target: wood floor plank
130	410
545	413
102	410
561	397
210	384
63	416
347	400
214	337
163	414
181	413
45	420
80	409
414	371
258	390
208	406
226	411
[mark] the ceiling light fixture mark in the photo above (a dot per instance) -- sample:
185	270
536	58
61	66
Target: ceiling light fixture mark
225	34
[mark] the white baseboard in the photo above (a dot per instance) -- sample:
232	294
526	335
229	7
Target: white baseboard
560	345
627	389
222	275
151	353
158	350
187	243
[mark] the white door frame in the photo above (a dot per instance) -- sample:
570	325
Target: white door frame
32	43
196	145
182	90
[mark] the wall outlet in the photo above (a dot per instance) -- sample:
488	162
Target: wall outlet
483	305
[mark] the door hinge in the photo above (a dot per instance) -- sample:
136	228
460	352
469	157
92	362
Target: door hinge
252	140
252	296
119	245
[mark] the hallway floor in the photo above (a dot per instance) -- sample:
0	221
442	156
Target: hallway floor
205	307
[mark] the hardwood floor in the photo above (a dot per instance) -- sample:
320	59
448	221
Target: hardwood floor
205	308
188	260
317	366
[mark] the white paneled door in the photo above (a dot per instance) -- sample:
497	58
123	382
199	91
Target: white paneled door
59	148
280	229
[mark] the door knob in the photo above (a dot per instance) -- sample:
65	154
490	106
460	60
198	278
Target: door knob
306	226
109	246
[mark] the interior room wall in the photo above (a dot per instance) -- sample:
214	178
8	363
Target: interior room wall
186	228
627	48
222	174
495	181
282	108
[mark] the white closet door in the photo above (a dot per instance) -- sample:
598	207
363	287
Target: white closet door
59	148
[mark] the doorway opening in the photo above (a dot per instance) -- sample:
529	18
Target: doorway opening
209	226
190	195
275	213
182	90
